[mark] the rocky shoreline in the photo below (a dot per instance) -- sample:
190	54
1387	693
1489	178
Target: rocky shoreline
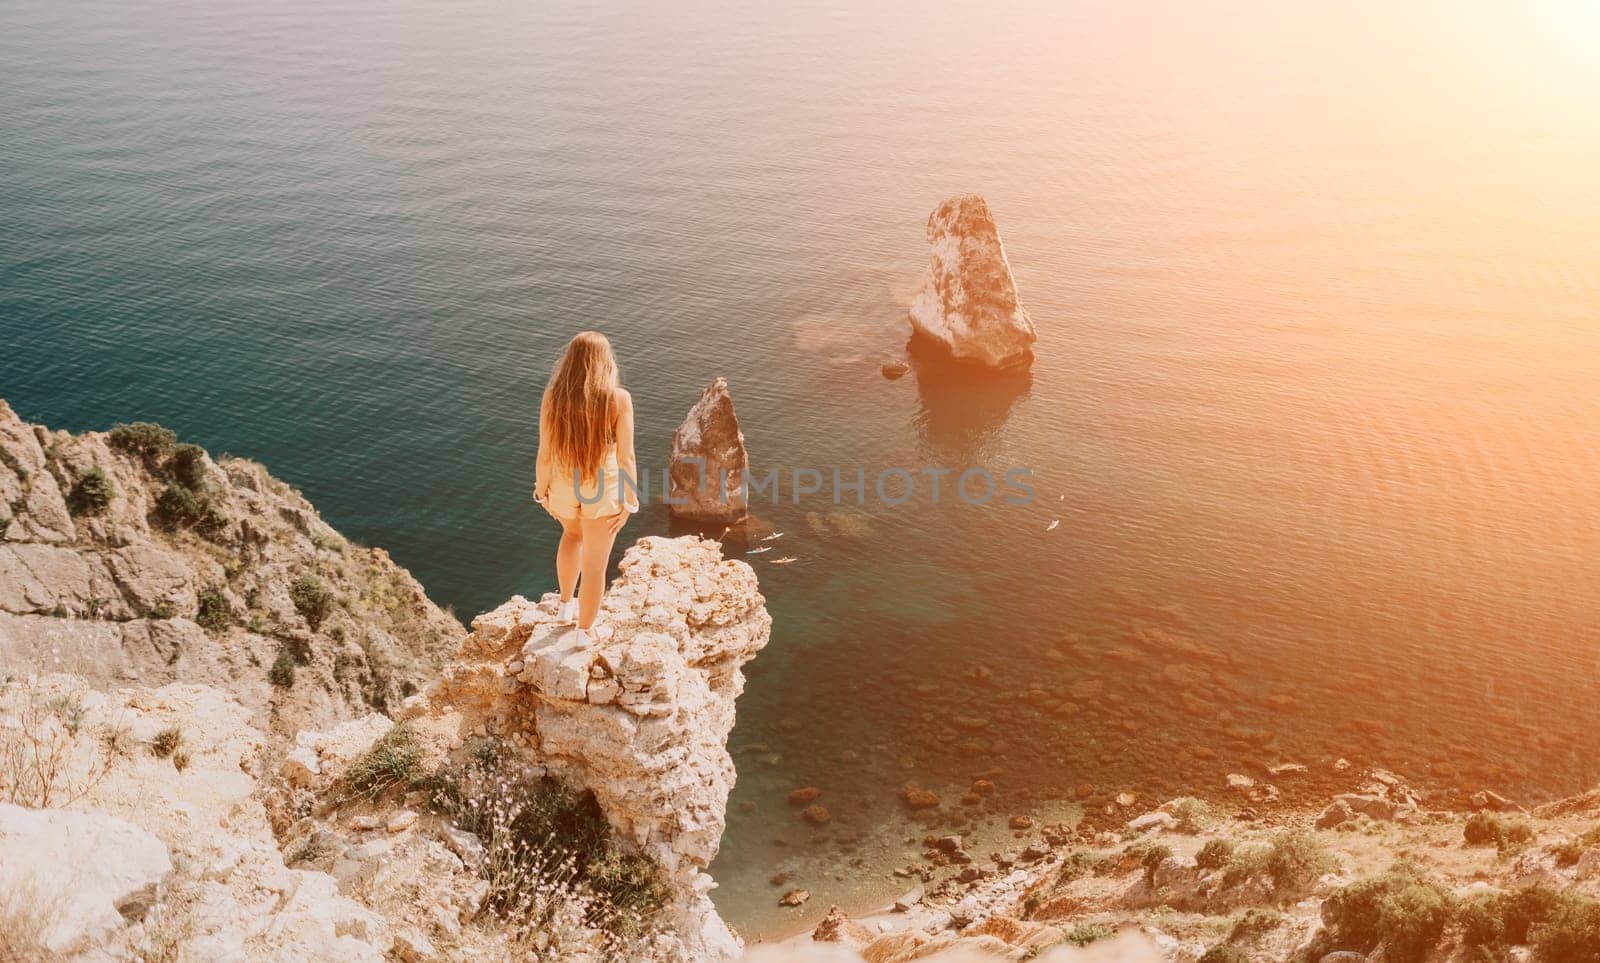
1376	874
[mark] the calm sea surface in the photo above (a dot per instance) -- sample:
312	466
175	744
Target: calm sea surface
1317	399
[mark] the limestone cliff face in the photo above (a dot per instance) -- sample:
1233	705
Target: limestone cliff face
166	826
222	816
639	718
142	835
968	300
128	558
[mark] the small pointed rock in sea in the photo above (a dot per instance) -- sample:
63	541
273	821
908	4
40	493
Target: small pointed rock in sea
709	461
794	897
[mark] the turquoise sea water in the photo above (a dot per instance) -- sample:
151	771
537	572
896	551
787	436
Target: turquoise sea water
1315	403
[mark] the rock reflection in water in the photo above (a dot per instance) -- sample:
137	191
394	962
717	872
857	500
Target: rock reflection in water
961	408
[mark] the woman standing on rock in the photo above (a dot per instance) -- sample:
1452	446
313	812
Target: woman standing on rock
585	453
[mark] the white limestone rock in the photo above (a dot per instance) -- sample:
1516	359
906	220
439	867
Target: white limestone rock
316	758
88	874
968	300
199	833
640	718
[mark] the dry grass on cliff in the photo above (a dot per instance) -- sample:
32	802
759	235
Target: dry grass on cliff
27	912
43	763
560	885
395	761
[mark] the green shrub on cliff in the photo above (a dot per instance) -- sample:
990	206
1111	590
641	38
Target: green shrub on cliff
184	502
311	599
282	672
1497	829
1478	917
1192	815
1571	934
393	761
213	612
1215	854
1078	864
212	521
1496	920
1292	861
1151	859
1253	923
91	495
177	507
1401	910
188	466
142	438
1082	934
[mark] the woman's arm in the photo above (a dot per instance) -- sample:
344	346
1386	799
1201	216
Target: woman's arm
626	462
541	463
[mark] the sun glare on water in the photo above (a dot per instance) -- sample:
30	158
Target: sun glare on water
1557	43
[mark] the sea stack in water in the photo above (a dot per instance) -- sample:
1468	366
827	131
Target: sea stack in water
709	461
968	302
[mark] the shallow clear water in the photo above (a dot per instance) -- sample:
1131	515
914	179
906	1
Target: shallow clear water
1316	391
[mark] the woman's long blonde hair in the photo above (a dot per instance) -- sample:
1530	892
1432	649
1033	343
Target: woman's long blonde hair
579	410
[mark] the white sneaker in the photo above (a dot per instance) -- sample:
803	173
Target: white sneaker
569	610
593	635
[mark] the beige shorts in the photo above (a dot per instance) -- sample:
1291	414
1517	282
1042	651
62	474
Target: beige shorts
570	500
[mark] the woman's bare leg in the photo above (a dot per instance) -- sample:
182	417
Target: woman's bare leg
567	557
596	554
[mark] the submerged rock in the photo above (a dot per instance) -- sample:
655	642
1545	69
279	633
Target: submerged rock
709	461
968	301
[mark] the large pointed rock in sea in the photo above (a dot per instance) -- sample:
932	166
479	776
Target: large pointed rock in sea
709	461
968	302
